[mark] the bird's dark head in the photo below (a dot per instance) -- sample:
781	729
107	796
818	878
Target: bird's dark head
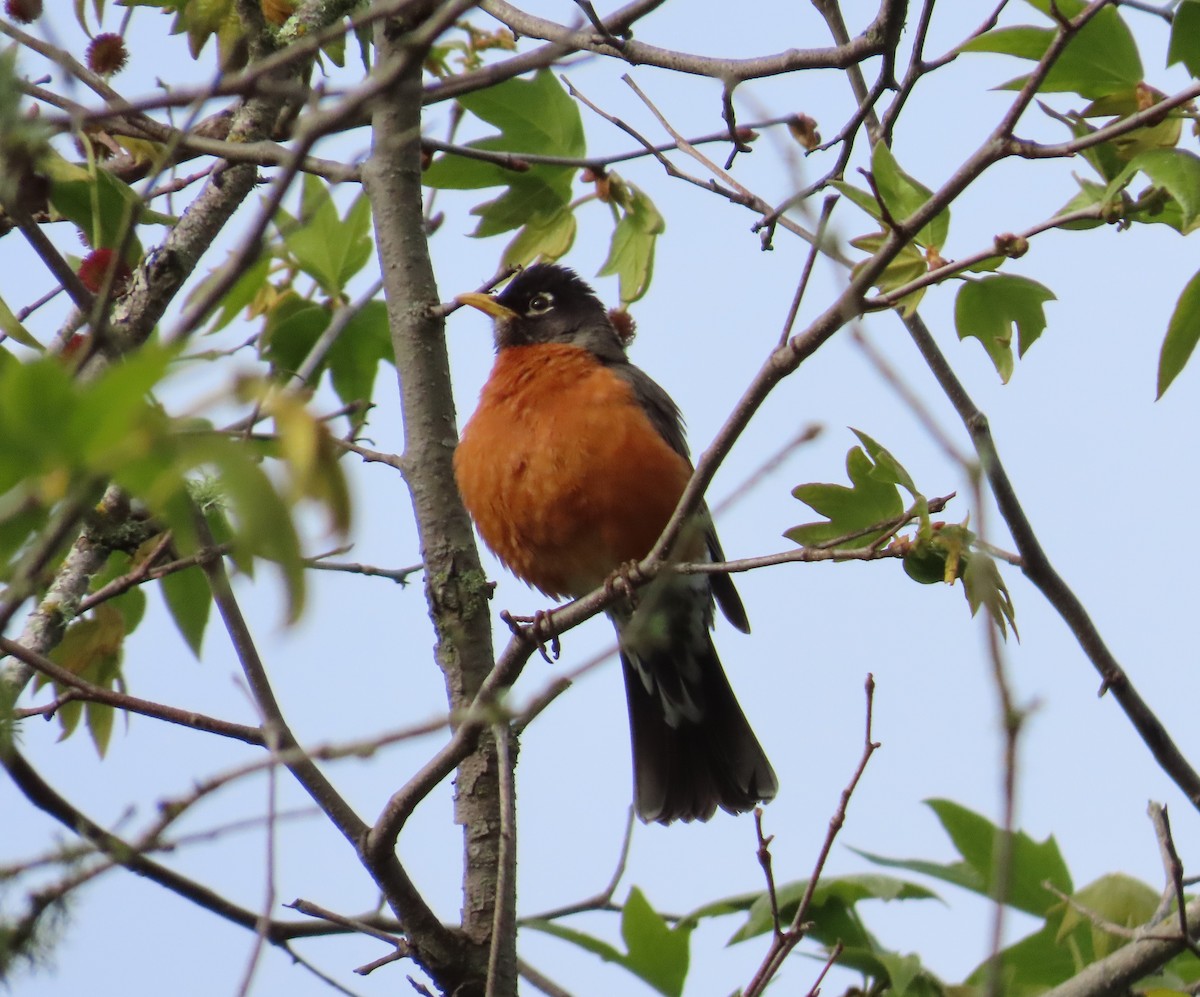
548	303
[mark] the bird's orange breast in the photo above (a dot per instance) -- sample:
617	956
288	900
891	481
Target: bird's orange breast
562	470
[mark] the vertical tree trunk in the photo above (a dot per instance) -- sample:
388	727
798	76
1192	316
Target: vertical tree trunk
455	586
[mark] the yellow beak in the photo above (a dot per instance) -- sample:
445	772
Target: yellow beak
486	303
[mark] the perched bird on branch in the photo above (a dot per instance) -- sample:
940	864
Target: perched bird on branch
571	467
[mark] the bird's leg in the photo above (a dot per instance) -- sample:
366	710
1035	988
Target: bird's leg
537	629
623	583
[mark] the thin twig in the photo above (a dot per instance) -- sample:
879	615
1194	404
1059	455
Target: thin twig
504	916
783	943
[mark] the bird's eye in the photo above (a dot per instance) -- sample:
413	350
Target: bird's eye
541	303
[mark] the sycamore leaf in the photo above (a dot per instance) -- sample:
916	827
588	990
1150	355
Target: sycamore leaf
1185	37
906	266
356	355
543	237
102	206
988	309
1183	332
534	116
832	907
657	953
904	195
189	600
91	648
1117	899
631	254
984	586
1175	171
1100	60
872	497
976	839
329	248
1110	207
246	288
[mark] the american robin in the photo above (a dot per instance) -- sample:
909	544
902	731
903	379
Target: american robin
571	466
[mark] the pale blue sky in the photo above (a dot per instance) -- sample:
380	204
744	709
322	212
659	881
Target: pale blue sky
1106	474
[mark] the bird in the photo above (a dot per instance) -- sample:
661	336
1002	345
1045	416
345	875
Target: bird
571	466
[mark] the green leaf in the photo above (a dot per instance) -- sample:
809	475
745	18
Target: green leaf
903	972
1103	158
597	946
189	600
1034	964
832	907
1118	899
984	586
36	398
906	266
262	522
1091	195
1022	40
328	248
113	419
631	253
292	329
720	908
1161	134
1177	172
1100	60
357	238
904	195
528	195
887	468
102	206
871	498
1069	940
976	839
1185	37
356	354
132	607
535	117
12	328
538	115
835	919
864	199
546	237
17	526
453	172
91	649
658	953
1183	331
99	717
244	290
987	309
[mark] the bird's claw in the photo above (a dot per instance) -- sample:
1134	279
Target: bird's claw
537	629
623	583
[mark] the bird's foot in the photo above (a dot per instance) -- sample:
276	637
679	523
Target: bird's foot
624	582
536	628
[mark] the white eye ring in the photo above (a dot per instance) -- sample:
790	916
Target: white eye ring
541	303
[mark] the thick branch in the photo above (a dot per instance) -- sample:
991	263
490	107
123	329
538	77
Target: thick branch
1114	975
870	43
455	584
1040	571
